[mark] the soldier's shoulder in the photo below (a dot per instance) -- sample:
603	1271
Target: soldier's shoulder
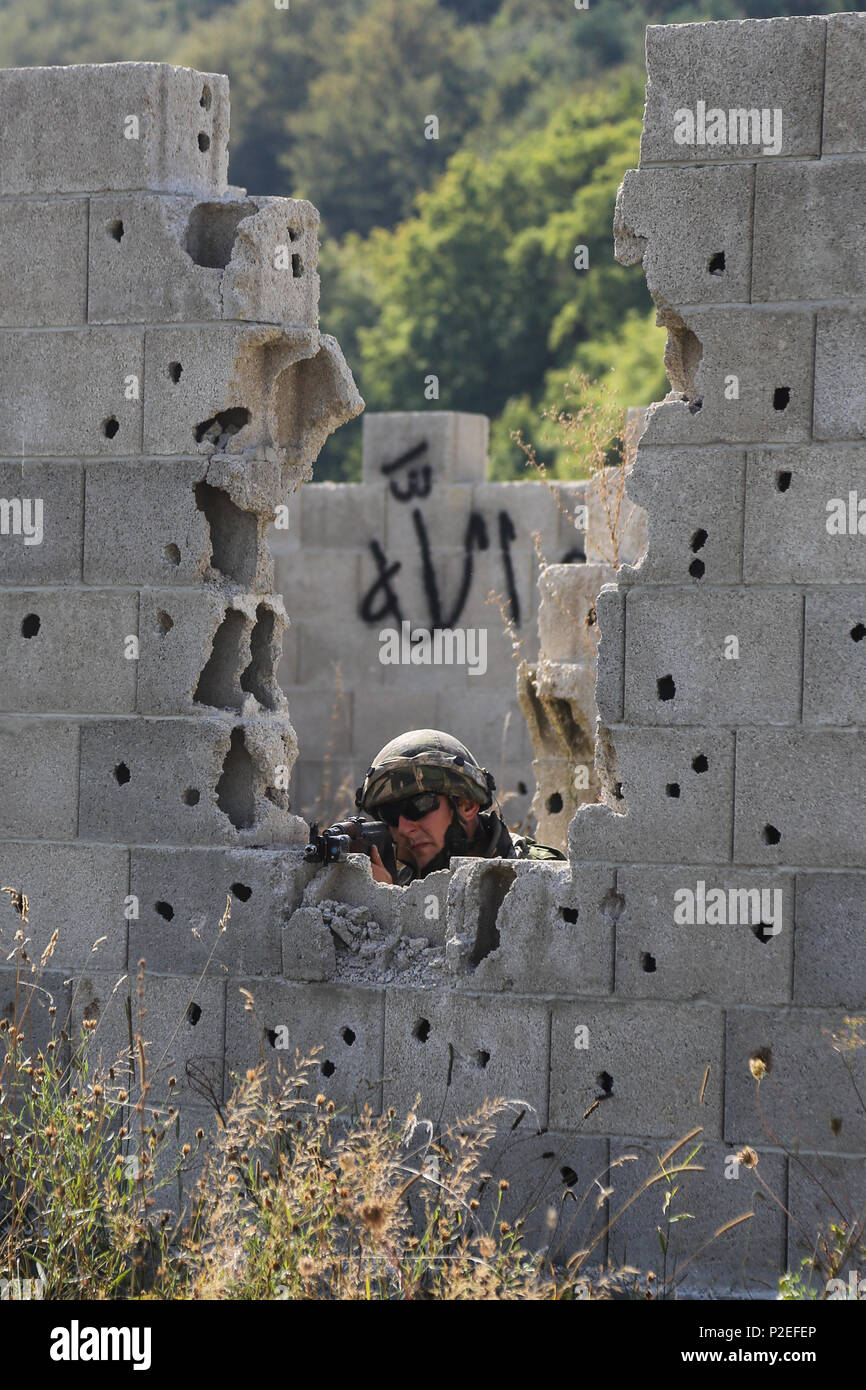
527	848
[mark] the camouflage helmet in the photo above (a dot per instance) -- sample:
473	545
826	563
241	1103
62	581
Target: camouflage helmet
424	760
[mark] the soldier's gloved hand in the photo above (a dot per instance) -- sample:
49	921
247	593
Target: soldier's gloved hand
380	873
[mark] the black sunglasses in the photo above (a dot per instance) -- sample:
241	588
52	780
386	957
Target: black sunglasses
412	807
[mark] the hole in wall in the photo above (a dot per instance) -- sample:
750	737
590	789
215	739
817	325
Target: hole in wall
604	1081
781	397
258	678
764	931
857	633
327	1068
647	963
191	797
697	569
121	774
612	905
218	682
783	480
242	892
421	1031
568	1175
522	789
175	372
220	428
165	910
110	427
666	687
211	231
481	1058
234	534
554	804
494	884
672	789
763	1054
347	1035
164	623
836	1130
297	266
696	405
770	835
91	1010
590	617
30	625
203	141
172	554
699	763
699	539
569	914
617	791
205	98
716	263
234	790
193	1013
115	229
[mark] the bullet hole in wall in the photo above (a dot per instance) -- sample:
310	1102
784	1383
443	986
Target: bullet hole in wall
781	397
569	914
110	427
672	789
770	835
617	791
858	633
481	1059
193	1013
696	405
697	569
165	910
121	774
205	98
647	963
421	1031
568	1175
190	797
115	229
716	263
604	1081
699	763
172	554
763	931
348	1035
521	789
297	266
164	623
242	892
327	1068
175	371
203	141
30	625
699	539
783	480
554	804
666	687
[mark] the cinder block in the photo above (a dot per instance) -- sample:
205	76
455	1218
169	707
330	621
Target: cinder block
692	228
572	521
661	827
834	667
768	351
800	210
139	268
679	667
183	895
39	778
272	276
324	791
354	647
27	1003
182	1028
143	525
66	392
342	516
610	661
467	581
343	1025
45	503
444	444
792	496
822	1193
840	360
44	263
66	651
123	125
844	120
532	928
459	1050
829	963
548	1176
438	520
382	716
158	781
667	949
739	64
76	890
199	375
644	1064
521	509
747	1259
308	949
694	510
806	1098
567	627
800	798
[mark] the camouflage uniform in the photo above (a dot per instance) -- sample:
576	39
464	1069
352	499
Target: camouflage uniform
428	760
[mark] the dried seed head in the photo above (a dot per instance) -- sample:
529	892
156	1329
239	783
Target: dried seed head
758	1068
747	1158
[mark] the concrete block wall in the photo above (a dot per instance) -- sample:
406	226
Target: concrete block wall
424	538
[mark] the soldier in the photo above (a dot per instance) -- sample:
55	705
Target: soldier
431	793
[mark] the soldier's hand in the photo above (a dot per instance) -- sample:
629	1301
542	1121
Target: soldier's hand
380	873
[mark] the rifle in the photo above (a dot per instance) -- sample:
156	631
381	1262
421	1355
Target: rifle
354	836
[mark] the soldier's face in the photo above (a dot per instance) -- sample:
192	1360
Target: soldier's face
419	841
